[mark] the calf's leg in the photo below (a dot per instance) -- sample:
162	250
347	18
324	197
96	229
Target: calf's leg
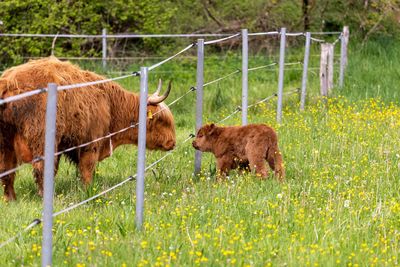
258	166
224	165
256	157
274	158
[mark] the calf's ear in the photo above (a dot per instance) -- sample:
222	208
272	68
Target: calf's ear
212	128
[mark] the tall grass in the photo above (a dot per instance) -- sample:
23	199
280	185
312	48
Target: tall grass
340	203
374	71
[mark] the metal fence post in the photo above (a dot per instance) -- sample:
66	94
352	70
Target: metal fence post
51	114
104	43
281	73
141	147
245	69
305	71
344	40
199	99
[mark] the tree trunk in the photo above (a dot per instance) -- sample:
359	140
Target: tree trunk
306	18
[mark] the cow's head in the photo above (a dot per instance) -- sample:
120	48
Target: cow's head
205	138
160	122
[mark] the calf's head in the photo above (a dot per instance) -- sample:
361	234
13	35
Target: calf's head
205	138
160	122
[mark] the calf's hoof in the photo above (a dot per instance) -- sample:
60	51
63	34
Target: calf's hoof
10	197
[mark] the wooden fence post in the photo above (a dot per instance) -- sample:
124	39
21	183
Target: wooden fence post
330	66
326	69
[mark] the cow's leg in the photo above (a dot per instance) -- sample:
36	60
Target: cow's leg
8	161
87	163
224	165
38	173
26	154
56	165
256	158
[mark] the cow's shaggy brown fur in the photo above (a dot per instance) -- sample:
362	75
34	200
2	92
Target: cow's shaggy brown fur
238	146
83	114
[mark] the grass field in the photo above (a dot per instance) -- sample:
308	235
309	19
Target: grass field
339	206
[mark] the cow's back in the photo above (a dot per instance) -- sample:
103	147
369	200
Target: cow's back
83	114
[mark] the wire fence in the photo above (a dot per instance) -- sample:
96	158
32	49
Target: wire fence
105	36
38	91
46	259
36	222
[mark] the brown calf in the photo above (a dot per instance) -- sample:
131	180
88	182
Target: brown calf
236	146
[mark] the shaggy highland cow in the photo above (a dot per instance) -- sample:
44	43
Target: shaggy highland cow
83	114
242	146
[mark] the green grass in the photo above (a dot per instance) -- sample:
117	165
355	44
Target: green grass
340	204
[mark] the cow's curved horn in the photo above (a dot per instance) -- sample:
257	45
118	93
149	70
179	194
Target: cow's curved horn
157	92
155	98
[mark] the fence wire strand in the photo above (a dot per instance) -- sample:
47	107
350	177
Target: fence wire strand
263	100
22	96
238	109
264	66
97	139
20	233
325	33
78	85
338	39
130	178
222	39
182	96
62	88
221	78
317	40
263	33
10	171
230	115
324	41
171	57
295	34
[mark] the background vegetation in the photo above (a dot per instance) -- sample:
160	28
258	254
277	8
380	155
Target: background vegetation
368	18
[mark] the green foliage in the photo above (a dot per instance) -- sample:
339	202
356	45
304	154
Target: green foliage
373	71
78	17
365	18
